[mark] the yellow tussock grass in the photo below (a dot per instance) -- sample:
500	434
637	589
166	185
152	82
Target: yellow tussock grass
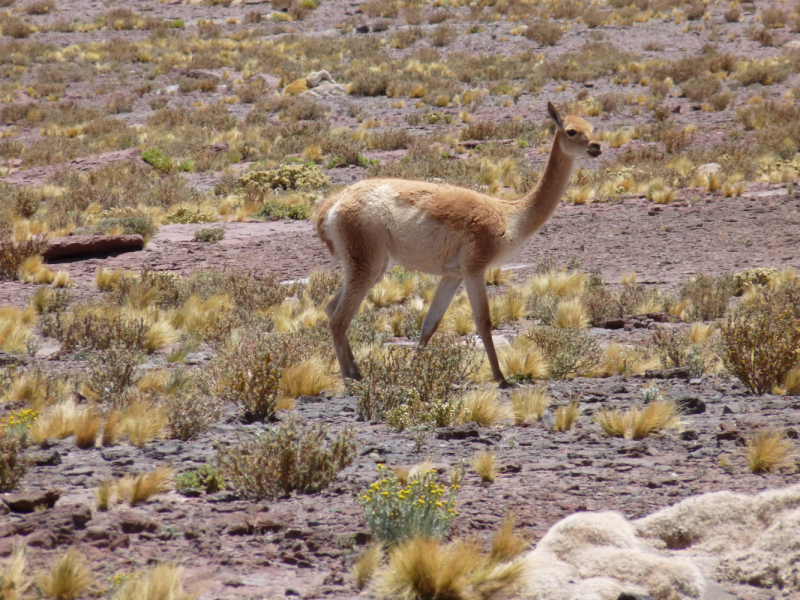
142	421
498	276
15	328
701	332
528	404
61	280
391	290
566	416
638	423
14	581
522	359
366	565
142	487
571	314
33	270
298	86
108	279
484	465
112	429
426	568
308	378
162	582
506	544
104	491
86	428
482	407
69	578
58	421
768	450
160	335
559	283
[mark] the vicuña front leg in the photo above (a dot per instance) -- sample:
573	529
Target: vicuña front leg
478	299
442	298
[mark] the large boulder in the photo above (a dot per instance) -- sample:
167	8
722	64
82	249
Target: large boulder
81	245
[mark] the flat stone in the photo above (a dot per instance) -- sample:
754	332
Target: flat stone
691	405
27	502
458	432
85	245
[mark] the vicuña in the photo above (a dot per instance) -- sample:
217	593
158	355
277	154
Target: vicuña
442	230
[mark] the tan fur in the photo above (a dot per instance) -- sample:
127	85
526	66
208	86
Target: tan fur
441	230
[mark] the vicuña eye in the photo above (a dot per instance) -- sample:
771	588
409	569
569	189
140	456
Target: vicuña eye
571	132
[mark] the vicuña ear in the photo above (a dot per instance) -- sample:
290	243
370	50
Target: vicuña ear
576	108
555	115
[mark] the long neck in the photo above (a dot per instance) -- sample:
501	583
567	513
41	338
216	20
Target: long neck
539	203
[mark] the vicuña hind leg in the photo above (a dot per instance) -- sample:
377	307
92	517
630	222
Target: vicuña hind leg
479	300
345	305
442	298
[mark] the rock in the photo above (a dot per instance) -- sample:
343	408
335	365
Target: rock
708	169
28	501
612	324
658	481
362	29
42	538
728	432
133	522
633	596
690	435
219	147
12	360
730	409
82	245
691	405
47	459
458	432
673	373
793	44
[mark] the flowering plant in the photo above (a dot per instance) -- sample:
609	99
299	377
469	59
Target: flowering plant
397	509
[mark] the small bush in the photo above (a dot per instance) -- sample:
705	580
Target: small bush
187	215
86	329
142	225
205	478
708	297
69	577
323	284
276	209
189	415
759	341
569	352
396	510
411	388
286	177
12	463
210	234
286	459
247	373
13	254
545	33
768	450
111	373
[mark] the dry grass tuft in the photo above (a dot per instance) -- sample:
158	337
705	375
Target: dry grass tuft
791	383
768	450
507	545
111	430
565	284
482	407
484	465
571	314
162	582
104	491
424	568
58	421
638	423
308	378
566	416
86	428
160	335
15	328
135	490
142	421
68	578
528	405
13	580
522	360
366	565
391	290
498	276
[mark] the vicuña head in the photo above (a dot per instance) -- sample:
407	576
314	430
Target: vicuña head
441	230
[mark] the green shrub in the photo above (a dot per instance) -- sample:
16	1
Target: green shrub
12	463
112	372
247	372
708	296
286	177
323	284
98	332
18	424
209	234
545	33
142	225
206	478
249	289
569	352
13	254
286	459
189	415
280	210
177	24
396	510
759	341
157	159
408	388
186	215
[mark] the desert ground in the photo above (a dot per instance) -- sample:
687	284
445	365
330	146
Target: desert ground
172	415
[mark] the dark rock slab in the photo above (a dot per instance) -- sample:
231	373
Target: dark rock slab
27	502
458	432
691	405
87	245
